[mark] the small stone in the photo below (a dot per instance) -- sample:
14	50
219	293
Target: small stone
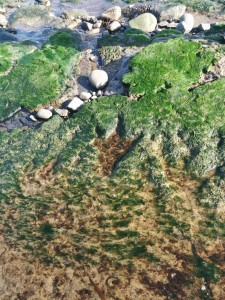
94	97
98	24
106	93
86	26
93	93
2	10
90	19
113	13
44	114
204	26
99	93
114	26
96	31
163	24
85	96
98	78
32	117
75	104
3	21
62	112
94	58
172	25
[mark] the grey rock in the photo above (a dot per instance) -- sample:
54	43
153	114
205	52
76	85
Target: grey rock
170	13
189	20
3	21
87	26
61	112
90	19
85	96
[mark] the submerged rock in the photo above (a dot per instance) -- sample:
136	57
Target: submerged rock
98	78
146	22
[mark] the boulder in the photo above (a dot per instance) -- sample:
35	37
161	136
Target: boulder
189	20
113	13
183	27
44	114
75	104
98	79
3	21
171	13
114	26
146	22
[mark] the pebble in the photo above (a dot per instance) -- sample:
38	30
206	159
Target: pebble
94	97
85	96
32	117
75	104
44	114
62	112
114	26
93	58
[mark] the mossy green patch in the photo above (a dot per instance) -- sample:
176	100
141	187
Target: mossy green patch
37	78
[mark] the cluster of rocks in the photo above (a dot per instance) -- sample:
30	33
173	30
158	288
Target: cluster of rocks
97	78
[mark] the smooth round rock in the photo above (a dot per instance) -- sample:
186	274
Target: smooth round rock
113	13
44	114
146	22
98	79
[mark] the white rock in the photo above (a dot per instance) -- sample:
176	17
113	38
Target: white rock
94	97
3	21
115	25
189	20
113	13
99	93
2	10
93	58
85	95
44	114
204	26
146	22
98	78
75	104
32	117
183	27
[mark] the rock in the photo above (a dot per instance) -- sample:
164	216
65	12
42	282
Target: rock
31	17
94	97
98	24
32	117
204	26
90	19
99	93
113	13
2	10
73	14
163	24
94	58
11	30
95	31
44	114
62	112
98	78
85	96
75	104
3	21
114	26
87	26
171	13
146	22
189	20
172	25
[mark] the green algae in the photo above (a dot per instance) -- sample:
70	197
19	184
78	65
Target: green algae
147	199
38	77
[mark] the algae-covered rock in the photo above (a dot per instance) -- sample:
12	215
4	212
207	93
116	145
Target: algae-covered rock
37	78
30	16
134	183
